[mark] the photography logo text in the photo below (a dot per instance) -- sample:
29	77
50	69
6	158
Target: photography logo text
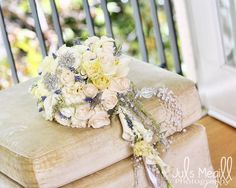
204	176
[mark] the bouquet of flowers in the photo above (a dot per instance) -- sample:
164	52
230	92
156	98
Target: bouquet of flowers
79	85
84	85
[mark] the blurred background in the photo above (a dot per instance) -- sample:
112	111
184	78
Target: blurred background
25	45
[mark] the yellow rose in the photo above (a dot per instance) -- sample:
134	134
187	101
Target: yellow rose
93	69
101	82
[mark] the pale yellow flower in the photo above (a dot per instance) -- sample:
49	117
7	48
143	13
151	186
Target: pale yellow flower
93	69
48	65
143	149
101	82
39	90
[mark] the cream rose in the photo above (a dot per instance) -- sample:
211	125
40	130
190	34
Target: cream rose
61	120
77	88
109	99
88	56
74	99
120	85
108	64
99	119
67	112
77	123
74	94
91	40
107	44
67	77
83	112
64	115
90	90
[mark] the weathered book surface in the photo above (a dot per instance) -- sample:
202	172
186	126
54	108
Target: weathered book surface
190	145
35	152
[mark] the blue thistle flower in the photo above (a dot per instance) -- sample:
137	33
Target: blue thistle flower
43	98
88	99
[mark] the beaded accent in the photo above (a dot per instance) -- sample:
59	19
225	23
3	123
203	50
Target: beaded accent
174	113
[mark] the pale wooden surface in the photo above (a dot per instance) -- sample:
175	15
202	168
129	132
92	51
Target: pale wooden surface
34	152
222	142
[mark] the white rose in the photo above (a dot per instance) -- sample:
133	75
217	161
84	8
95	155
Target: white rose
73	94
108	64
90	90
109	69
80	49
83	112
108	47
67	77
99	119
61	120
64	116
107	39
119	85
91	40
78	123
77	88
68	112
88	56
109	99
74	99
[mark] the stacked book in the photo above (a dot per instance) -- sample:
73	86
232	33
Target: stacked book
38	153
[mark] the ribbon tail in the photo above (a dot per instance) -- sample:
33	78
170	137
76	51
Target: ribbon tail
153	179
